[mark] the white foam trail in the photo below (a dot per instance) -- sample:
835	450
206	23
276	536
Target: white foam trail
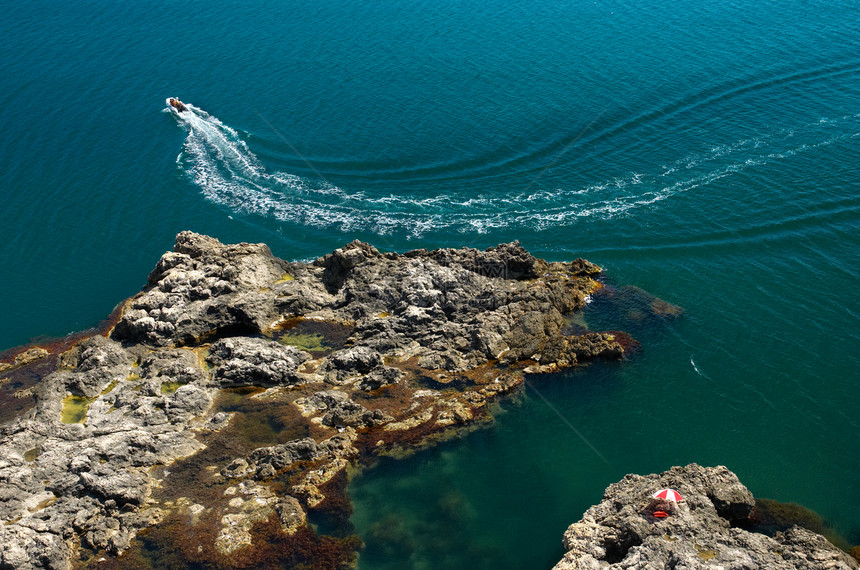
699	372
228	173
696	368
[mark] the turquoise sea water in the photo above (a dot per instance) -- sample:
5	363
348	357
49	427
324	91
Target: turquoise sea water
708	152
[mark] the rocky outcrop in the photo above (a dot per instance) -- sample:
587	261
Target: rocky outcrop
339	411
133	430
64	483
453	309
702	531
255	362
144	428
200	288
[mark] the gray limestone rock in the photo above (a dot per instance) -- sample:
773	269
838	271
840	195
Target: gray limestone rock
88	482
255	362
102	361
172	365
622	531
379	377
454	308
279	456
340	411
361	365
200	289
98	363
356	360
123	487
25	549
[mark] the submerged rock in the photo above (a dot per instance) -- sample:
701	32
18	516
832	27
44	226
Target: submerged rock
623	531
26	357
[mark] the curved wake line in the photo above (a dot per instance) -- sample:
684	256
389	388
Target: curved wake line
219	161
725	91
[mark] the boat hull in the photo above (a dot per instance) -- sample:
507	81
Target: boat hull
175	105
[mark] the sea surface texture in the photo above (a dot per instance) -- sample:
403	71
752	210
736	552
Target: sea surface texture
707	152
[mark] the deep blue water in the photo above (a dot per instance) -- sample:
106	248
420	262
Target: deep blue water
706	152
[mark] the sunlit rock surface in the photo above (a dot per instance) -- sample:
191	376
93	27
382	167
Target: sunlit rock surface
236	388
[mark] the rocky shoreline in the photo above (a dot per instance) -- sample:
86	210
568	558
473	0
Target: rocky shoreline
213	422
358	353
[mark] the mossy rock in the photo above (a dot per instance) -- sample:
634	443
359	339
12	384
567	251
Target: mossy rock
31	454
75	409
311	342
170	387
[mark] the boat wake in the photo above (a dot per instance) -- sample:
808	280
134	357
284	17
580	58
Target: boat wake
220	163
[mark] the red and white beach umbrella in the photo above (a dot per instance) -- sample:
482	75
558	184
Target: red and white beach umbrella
668	494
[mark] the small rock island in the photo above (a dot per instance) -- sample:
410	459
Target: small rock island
708	529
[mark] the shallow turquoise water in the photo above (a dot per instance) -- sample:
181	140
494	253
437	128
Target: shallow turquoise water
706	152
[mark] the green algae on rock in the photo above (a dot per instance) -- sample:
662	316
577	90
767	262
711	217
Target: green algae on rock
170	387
75	409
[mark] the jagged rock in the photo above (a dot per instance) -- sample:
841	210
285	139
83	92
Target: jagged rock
201	288
453	308
621	531
101	362
340	411
255	362
291	514
172	365
122	487
350	363
361	365
279	456
504	261
338	264
379	377
359	359
24	548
